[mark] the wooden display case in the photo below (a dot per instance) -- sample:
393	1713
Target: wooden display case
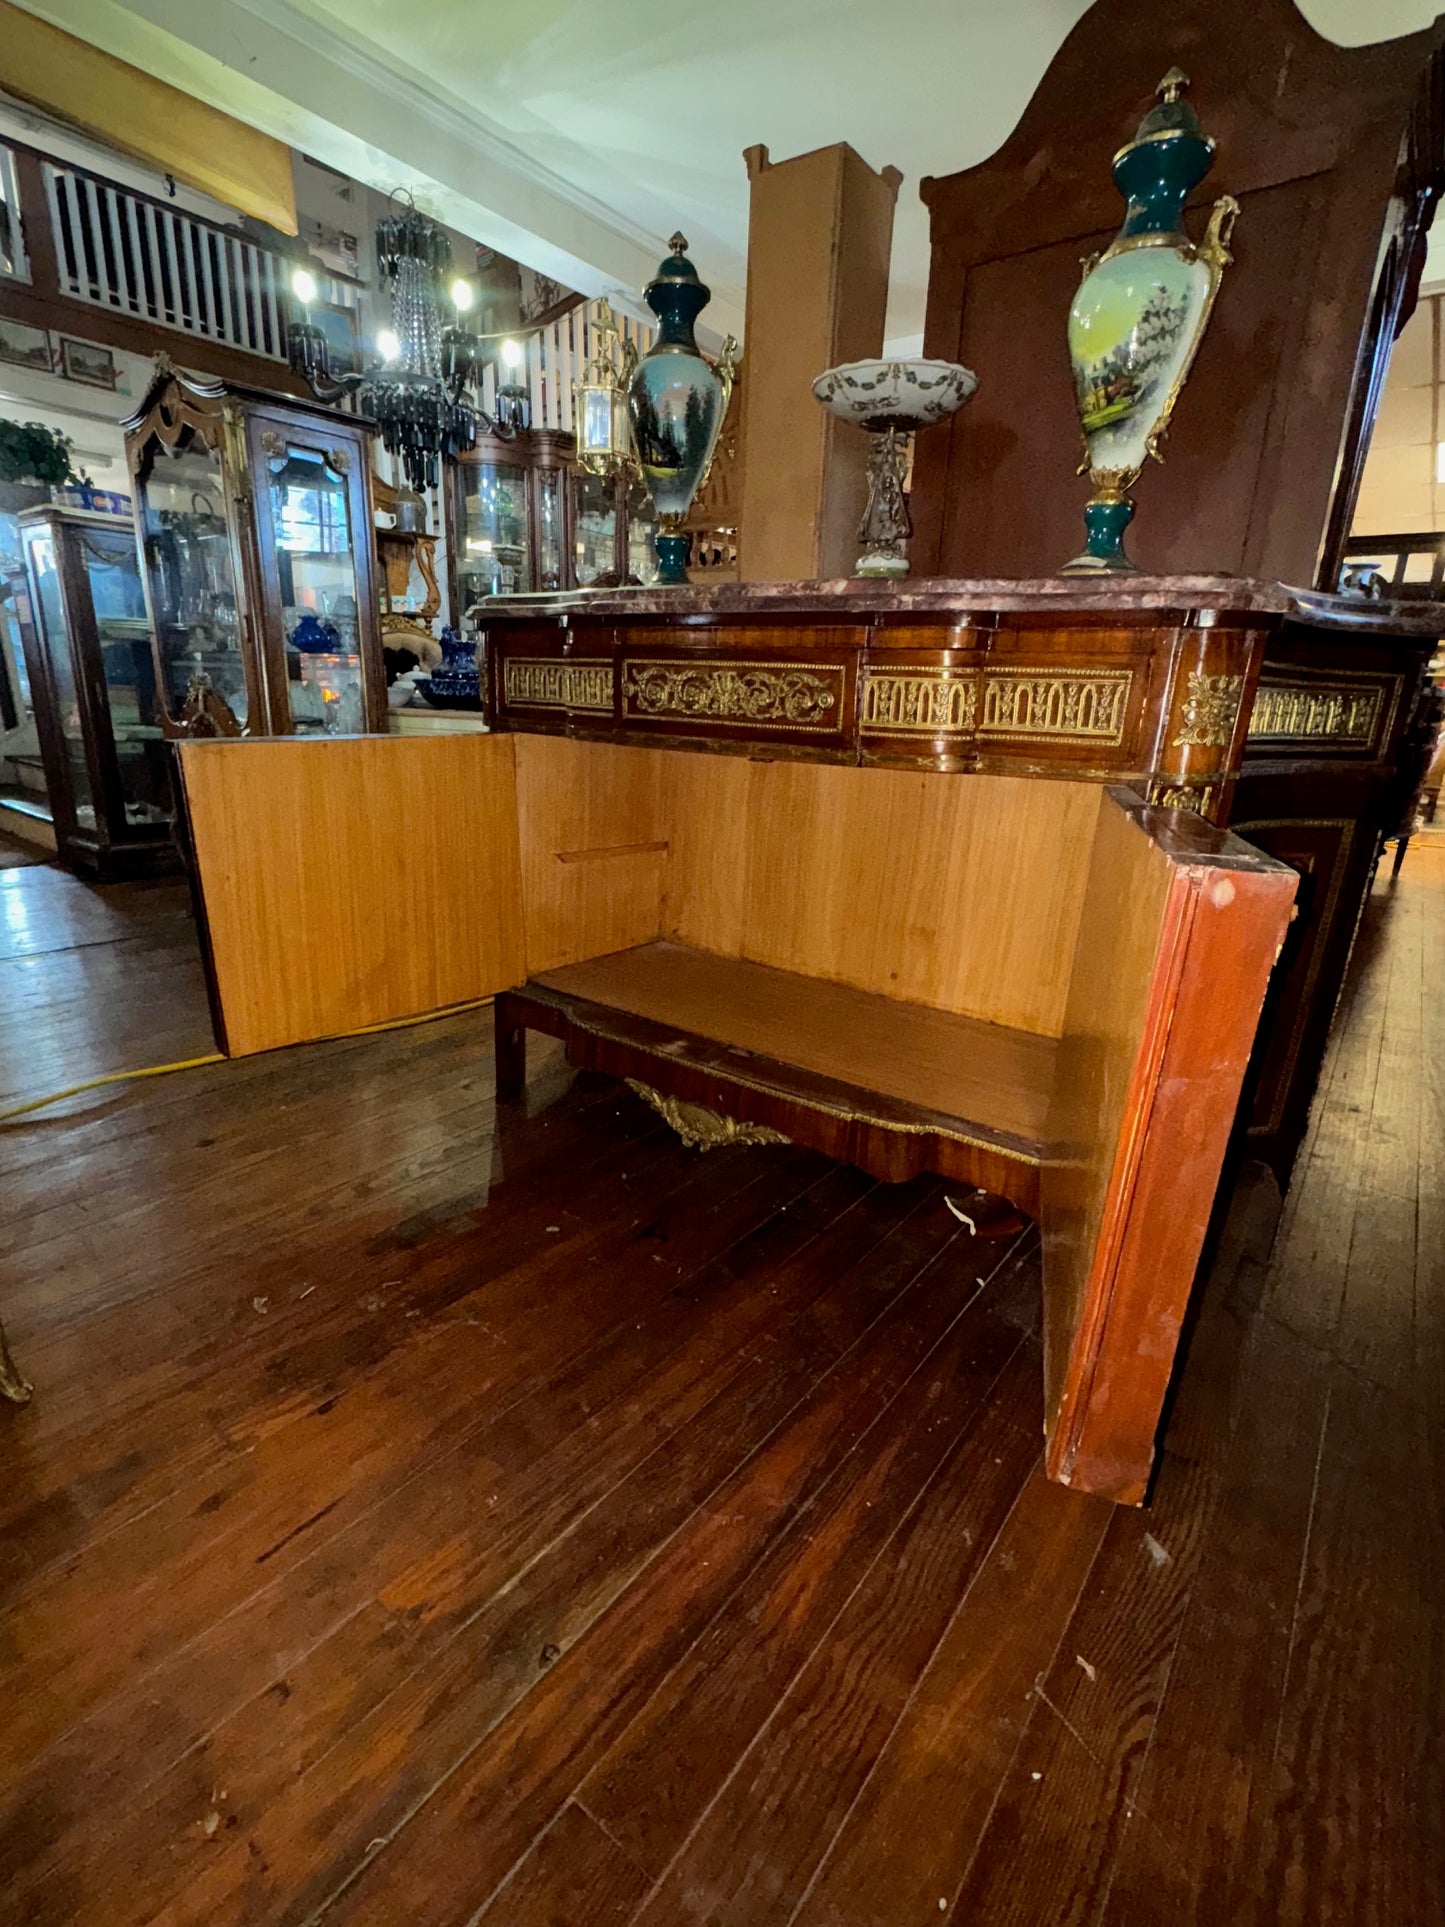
525	519
510	516
614	532
256	525
87	647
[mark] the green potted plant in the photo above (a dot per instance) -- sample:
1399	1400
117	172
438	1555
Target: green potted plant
33	460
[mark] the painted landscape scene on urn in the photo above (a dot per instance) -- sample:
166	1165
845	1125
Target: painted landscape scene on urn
676	416
1132	330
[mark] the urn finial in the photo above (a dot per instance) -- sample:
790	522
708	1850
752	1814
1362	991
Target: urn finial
678	243
1172	85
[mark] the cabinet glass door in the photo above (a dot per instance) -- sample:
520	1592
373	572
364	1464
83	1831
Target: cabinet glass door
549	528
494	552
54	637
112	570
594	541
188	564
641	536
316	572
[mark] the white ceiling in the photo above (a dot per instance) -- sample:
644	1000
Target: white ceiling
577	135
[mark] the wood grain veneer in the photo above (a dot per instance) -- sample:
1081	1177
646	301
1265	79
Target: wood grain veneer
332	898
593	848
963	895
932	1058
1179	932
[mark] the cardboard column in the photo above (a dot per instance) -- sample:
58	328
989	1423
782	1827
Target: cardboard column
819	235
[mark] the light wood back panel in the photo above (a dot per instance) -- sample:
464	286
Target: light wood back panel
354	880
593	847
1181	926
963	893
960	892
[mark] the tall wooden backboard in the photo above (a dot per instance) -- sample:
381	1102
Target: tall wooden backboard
1335	155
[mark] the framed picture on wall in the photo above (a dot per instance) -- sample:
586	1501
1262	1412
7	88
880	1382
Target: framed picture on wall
82	361
343	341
26	347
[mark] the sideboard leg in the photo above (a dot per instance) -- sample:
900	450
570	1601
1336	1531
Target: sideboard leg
510	1052
12	1385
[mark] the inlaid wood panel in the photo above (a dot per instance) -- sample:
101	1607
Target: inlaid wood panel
1146	687
348	882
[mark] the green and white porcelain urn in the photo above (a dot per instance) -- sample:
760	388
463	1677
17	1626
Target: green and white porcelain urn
1140	314
676	402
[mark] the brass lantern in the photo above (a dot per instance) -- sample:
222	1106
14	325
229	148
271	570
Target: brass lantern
604	435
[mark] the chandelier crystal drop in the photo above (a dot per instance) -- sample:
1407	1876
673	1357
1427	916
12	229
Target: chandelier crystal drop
417	397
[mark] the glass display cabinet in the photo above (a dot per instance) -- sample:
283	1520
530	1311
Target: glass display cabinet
614	532
525	518
92	685
255	517
511	516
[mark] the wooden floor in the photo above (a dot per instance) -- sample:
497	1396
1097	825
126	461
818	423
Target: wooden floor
427	1516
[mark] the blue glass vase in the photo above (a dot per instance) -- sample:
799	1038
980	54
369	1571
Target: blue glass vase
313	637
676	402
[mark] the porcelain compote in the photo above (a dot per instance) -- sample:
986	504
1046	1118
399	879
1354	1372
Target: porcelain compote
891	400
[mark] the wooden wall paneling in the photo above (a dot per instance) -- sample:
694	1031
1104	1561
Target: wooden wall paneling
351	881
1180	930
961	894
593	838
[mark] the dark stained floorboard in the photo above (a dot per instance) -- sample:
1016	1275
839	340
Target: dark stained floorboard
442	1514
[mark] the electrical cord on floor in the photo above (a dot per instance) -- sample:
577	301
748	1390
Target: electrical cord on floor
217	1057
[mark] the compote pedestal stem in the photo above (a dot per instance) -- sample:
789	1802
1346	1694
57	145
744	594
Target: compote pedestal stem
886	524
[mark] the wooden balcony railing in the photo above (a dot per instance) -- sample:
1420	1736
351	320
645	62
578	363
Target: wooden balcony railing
75	246
121	250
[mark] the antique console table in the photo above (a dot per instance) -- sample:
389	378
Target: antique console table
1141	681
1281	713
928	879
868	927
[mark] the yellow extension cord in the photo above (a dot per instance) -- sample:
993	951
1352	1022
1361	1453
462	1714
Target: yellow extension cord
216	1057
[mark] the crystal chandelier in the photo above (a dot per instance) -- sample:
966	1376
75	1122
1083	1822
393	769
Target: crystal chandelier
417	395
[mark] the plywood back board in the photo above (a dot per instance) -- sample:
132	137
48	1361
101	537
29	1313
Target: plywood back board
354	880
963	893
